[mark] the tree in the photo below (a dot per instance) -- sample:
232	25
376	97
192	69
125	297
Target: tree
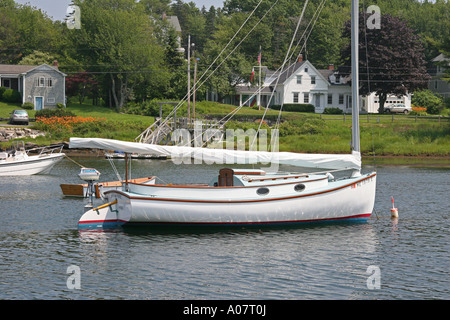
391	59
428	99
80	84
116	42
37	58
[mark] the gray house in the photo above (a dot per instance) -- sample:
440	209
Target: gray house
43	86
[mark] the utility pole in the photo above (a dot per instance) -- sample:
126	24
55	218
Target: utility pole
189	81
260	84
195	82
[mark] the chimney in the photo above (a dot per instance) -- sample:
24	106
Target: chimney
331	67
300	58
55	63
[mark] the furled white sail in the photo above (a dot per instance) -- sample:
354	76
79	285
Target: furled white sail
225	156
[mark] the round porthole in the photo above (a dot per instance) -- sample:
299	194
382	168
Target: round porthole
299	187
262	191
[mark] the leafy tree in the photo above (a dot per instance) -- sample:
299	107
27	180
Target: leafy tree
116	41
428	99
37	58
391	59
81	84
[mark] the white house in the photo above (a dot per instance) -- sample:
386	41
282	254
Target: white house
302	83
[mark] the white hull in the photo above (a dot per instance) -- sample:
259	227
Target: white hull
39	164
351	198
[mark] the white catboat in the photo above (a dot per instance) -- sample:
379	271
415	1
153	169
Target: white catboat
20	162
239	197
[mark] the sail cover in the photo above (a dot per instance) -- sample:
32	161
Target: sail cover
225	156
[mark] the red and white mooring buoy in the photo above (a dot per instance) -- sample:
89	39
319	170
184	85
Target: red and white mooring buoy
394	210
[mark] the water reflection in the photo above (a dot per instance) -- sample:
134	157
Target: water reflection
39	239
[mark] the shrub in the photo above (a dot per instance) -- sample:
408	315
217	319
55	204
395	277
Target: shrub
295	107
28	105
12	96
60	105
333	111
48	113
2	90
420	111
427	98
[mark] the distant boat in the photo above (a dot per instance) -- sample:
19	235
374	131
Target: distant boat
19	162
121	155
81	189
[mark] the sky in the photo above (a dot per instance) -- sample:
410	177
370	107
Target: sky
57	8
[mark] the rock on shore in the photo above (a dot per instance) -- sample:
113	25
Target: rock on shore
10	133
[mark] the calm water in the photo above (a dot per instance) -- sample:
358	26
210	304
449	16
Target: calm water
39	240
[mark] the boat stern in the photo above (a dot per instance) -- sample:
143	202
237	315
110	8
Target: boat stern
102	217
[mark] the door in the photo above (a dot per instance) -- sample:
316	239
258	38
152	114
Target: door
38	103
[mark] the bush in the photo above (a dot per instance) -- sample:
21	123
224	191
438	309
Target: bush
2	90
48	113
295	107
428	99
333	111
12	96
28	105
60	105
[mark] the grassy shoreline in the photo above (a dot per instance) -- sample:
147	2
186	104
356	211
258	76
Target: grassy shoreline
382	136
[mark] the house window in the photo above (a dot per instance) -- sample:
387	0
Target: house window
51	100
299	79
338	79
44	82
341	98
295	100
313	80
330	98
7	83
306	69
306	97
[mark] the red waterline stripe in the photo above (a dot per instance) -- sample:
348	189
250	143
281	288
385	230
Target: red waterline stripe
366	215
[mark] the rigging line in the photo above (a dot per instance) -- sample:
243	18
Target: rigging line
367	52
188	95
74	161
318	10
108	156
232	51
315	18
368	83
282	67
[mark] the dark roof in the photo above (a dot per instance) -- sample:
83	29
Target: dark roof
289	71
14	68
18	68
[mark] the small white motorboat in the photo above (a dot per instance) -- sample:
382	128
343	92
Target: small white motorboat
20	162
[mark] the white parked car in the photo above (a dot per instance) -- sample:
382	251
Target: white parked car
397	108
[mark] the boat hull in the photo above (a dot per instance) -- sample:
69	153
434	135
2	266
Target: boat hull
350	199
31	165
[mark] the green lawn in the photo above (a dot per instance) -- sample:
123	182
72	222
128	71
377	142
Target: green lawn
398	135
